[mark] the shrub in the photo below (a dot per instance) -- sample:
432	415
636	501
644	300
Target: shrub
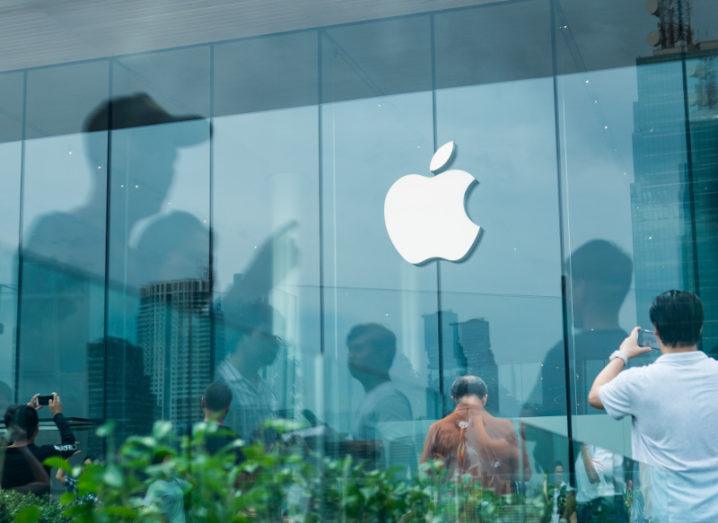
279	482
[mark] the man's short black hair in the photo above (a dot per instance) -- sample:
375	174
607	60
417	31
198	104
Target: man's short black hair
25	417
381	339
678	318
217	397
468	386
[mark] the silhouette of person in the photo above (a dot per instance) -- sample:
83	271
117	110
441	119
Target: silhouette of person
600	277
64	255
372	349
252	346
174	247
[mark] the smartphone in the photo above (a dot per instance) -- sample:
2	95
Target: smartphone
44	399
647	338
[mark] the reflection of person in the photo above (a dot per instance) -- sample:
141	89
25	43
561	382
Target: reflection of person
173	247
673	406
562	496
166	496
25	427
64	255
600	277
372	349
599	484
472	441
252	346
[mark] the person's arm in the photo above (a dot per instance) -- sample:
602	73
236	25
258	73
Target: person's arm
588	464
630	349
42	480
428	452
68	443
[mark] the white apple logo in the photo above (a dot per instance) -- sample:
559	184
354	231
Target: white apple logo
426	217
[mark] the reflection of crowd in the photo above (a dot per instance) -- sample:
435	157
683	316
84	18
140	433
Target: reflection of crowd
58	316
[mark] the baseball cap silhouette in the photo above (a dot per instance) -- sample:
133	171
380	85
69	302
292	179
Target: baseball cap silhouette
141	110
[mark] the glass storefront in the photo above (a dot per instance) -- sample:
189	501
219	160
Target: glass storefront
213	209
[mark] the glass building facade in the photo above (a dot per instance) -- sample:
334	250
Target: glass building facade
196	191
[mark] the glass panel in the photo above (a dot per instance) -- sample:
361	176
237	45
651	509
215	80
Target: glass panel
702	185
503	303
159	302
11	107
639	180
266	222
380	324
63	263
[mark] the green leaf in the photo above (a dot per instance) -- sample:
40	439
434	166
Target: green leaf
113	476
67	498
161	429
106	429
58	462
29	514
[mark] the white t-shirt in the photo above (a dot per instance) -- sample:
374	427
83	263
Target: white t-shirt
384	403
608	466
673	404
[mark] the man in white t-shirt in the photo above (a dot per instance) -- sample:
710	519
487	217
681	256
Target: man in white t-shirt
673	404
382	418
599	484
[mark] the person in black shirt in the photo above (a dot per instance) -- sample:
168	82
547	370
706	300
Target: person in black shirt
216	400
600	276
24	424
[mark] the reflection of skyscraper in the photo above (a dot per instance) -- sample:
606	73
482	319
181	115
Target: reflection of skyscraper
466	349
472	336
674	202
442	360
174	331
118	388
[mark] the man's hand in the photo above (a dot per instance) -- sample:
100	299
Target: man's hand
630	347
34	402
55	405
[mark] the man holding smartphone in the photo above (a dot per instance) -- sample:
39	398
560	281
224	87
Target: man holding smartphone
23	424
673	407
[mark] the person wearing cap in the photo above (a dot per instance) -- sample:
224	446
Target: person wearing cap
66	253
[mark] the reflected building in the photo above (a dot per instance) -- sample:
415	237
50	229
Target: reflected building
674	197
443	361
119	389
464	348
174	331
474	341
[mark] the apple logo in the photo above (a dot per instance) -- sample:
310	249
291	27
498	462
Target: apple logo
425	216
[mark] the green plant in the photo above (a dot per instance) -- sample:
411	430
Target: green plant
21	508
277	482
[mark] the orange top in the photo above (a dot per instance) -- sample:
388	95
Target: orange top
472	441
